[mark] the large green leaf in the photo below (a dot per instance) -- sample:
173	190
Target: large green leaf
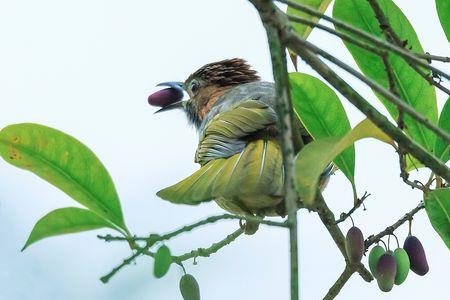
318	5
443	10
437	205
64	162
313	158
412	87
323	115
64	221
442	149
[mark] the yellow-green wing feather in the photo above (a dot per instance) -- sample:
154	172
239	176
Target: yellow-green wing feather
223	135
257	170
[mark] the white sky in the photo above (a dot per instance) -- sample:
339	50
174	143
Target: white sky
87	67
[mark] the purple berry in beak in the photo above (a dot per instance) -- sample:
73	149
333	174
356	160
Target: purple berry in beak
165	97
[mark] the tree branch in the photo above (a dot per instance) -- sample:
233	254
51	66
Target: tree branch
429	57
327	218
342	35
298	43
393	38
286	121
340	282
288	34
406	54
206	252
125	262
372	239
157	238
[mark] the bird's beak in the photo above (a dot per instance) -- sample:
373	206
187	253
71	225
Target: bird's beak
179	87
173	84
179	104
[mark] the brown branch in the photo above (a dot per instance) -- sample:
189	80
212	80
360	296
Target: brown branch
340	282
372	239
327	218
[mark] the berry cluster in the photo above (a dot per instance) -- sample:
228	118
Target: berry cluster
388	267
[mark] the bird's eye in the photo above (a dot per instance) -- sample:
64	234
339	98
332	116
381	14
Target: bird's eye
194	87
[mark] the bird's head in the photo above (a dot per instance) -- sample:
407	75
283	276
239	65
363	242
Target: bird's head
207	84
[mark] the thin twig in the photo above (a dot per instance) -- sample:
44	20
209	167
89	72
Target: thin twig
125	262
206	252
392	37
344	216
344	36
400	122
177	259
209	220
372	239
405	175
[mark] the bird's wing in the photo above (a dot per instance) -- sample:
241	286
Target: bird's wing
232	165
256	170
228	132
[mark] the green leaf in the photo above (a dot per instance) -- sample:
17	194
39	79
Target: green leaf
437	205
65	163
313	158
318	5
163	260
323	115
415	90
442	148
189	287
64	221
443	10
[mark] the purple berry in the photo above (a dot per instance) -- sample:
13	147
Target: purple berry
354	244
416	254
165	97
386	271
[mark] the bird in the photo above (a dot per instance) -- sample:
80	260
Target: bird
239	148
